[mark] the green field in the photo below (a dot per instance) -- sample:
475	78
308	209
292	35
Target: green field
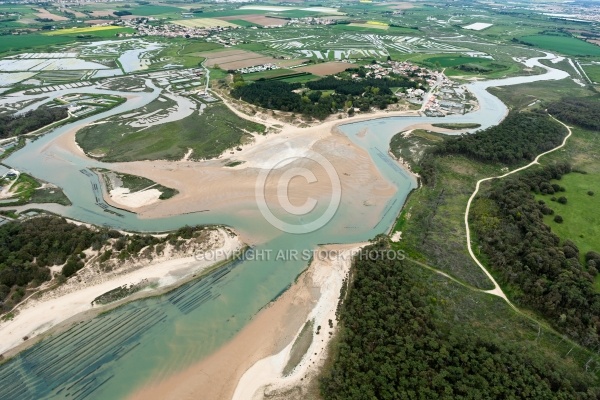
100	31
241	22
593	72
453	61
563	44
300	78
581	214
28	42
456	65
521	96
208	135
282	74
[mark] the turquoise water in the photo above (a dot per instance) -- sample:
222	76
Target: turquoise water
111	355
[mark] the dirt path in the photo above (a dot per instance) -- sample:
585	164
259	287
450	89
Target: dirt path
497	291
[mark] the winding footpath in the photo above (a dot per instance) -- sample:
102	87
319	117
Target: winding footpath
497	290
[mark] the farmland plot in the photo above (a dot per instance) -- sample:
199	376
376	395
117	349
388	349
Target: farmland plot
235	59
257	19
203	23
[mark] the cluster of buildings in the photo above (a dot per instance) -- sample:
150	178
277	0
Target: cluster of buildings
449	98
381	70
143	28
445	96
312	21
257	68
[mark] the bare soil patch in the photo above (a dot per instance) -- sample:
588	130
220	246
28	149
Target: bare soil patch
257	19
103	13
234	59
43	13
328	68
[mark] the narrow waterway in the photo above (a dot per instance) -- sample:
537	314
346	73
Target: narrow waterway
111	355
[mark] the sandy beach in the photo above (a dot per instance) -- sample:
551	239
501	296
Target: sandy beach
38	316
255	357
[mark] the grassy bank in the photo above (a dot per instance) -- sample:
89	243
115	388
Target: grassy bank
28	190
208	135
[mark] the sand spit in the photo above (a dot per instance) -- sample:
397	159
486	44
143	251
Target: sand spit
39	315
266	376
257	354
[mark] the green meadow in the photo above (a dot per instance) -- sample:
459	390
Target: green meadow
593	72
581	214
563	44
28	42
453	61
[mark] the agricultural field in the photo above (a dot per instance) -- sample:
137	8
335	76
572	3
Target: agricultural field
453	61
235	59
97	31
255	19
460	65
44	13
328	68
204	23
563	44
284	75
371	25
30	42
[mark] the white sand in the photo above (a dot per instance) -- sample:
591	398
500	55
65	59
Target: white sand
123	197
267	374
38	316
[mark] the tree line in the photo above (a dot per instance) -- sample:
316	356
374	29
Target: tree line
395	344
520	137
581	111
15	125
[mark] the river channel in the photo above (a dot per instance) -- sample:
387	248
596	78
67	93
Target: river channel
109	356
